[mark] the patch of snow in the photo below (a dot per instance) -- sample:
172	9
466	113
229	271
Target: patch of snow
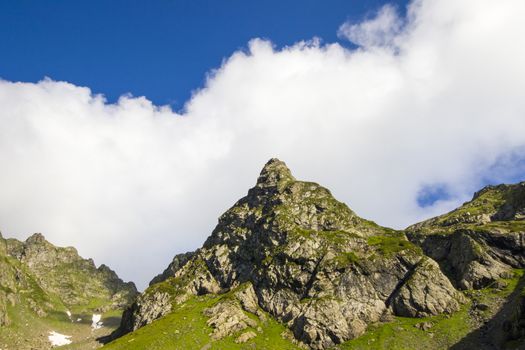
58	339
68	313
95	321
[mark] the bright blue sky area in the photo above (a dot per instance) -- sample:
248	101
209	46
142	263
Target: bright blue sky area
160	49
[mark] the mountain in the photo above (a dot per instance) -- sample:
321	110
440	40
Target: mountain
46	289
289	266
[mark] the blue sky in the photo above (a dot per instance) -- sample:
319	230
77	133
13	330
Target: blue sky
160	49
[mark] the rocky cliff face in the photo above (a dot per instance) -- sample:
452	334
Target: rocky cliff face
177	263
291	250
481	241
482	244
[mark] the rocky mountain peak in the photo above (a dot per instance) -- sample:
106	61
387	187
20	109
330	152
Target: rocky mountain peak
304	258
36	238
275	173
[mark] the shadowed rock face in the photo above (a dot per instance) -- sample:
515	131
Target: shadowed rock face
308	260
479	242
178	261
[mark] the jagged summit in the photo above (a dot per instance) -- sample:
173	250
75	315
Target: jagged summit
274	173
36	237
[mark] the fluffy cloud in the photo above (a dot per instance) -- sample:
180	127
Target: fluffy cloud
378	31
431	100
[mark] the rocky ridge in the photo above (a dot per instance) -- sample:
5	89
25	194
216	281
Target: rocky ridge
478	246
62	271
289	249
481	241
41	283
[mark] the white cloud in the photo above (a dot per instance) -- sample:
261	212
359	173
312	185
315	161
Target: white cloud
381	30
131	184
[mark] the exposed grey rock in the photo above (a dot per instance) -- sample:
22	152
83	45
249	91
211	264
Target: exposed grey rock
198	279
424	326
482	307
419	298
248	299
146	308
514	205
467	258
243	338
178	262
292	250
325	323
227	318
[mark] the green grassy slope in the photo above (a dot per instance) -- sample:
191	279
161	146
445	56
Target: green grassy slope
186	327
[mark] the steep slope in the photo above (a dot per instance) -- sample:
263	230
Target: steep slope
44	288
481	241
480	246
289	252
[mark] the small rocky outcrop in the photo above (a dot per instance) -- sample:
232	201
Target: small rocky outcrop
309	261
418	298
227	318
147	308
178	262
244	337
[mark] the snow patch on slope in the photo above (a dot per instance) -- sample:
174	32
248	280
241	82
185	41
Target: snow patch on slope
58	339
96	323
